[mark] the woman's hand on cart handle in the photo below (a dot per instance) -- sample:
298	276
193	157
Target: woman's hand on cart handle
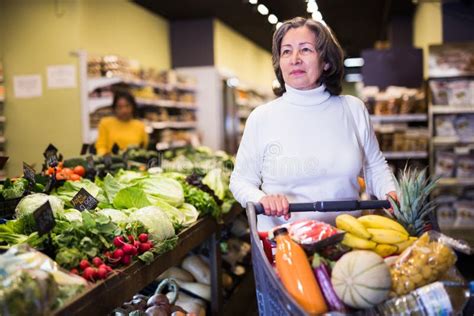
275	205
394	196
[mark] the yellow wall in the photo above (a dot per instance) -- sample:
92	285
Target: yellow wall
41	34
126	29
428	28
238	55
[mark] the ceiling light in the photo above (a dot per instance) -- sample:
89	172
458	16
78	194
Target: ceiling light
262	9
353	77
354	62
278	25
312	7
253	1
233	82
317	16
272	19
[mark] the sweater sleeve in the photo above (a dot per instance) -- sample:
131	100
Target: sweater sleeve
102	142
246	178
378	176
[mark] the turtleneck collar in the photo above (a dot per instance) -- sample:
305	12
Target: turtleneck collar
306	97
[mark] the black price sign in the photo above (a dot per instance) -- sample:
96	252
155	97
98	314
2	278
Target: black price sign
107	161
29	173
44	218
83	200
90	162
84	149
115	149
153	162
50	154
3	161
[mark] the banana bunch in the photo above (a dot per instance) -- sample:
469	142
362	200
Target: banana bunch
374	232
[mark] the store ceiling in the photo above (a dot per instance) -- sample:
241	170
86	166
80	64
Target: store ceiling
358	24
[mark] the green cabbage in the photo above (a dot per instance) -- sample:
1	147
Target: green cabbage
175	215
116	215
72	215
127	177
131	197
70	189
217	182
190	213
111	187
30	203
156	221
164	188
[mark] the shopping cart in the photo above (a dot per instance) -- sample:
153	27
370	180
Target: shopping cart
272	297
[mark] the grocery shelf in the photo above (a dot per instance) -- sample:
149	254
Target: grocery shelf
448	109
166	103
97	103
165	146
106	295
244	292
451	140
446	182
399	118
163	125
100	82
405	154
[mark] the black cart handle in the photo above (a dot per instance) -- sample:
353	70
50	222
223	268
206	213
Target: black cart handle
331	206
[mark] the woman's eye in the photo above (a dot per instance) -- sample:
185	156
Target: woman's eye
306	50
285	52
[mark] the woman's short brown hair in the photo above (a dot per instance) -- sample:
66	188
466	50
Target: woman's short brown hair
330	52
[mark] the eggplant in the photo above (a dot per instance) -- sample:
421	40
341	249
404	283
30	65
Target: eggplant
321	272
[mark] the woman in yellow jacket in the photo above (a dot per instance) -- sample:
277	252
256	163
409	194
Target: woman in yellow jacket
122	129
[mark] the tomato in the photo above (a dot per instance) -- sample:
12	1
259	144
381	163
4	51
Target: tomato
50	171
60	165
79	170
67	171
61	176
74	177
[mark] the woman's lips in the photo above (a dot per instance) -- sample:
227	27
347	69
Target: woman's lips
297	72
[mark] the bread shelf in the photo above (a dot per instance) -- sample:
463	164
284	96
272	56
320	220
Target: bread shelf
399	118
452	140
101	82
177	125
447	109
448	182
405	154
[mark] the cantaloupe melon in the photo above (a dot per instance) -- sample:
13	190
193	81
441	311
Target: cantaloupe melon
361	279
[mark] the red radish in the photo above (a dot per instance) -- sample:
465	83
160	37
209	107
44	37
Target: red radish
107	254
89	274
127	249
74	271
145	246
106	267
118	254
126	260
84	264
143	237
131	239
118	241
102	273
97	261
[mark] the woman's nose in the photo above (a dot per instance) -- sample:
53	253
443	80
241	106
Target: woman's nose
295	57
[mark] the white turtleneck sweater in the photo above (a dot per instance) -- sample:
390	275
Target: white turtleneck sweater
303	145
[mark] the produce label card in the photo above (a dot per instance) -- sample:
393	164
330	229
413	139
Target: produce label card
3	161
50	154
29	173
153	162
83	200
84	149
44	218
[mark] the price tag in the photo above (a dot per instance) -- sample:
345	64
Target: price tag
50	154
84	149
153	162
90	162
44	218
29	173
107	161
3	161
115	149
83	200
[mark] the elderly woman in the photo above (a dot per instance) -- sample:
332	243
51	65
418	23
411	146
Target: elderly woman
310	144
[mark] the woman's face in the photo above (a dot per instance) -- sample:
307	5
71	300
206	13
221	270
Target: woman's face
124	110
299	61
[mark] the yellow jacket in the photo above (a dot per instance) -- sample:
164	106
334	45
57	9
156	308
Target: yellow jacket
125	134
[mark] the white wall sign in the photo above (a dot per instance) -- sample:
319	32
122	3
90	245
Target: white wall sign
61	76
28	86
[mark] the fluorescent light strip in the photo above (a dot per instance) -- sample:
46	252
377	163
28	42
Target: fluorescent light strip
253	1
317	16
262	9
278	25
353	77
354	62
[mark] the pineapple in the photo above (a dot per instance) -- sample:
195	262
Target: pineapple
414	209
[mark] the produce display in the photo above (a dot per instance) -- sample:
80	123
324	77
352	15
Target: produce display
95	225
375	262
